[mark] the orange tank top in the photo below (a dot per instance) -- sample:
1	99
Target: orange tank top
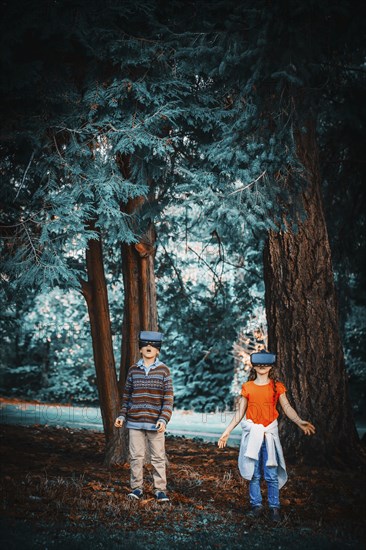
261	401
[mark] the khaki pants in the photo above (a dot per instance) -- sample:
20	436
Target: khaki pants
156	442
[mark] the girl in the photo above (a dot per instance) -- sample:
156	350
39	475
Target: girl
260	448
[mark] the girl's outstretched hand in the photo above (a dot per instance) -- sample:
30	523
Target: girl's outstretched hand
223	440
307	427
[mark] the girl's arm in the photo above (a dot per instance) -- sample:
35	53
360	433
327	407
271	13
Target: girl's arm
238	416
305	426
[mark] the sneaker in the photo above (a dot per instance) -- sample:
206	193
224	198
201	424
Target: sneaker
255	512
136	493
161	496
275	514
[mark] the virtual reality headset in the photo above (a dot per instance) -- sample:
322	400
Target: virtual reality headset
154	339
262	358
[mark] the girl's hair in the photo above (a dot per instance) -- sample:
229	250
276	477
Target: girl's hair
271	375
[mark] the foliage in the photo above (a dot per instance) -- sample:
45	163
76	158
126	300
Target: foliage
87	131
198	109
57	355
206	292
354	342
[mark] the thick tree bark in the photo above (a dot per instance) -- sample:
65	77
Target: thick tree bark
140	308
95	293
303	329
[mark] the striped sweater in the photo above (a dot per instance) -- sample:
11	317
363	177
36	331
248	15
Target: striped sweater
147	397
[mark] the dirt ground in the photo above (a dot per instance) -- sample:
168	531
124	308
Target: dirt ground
56	493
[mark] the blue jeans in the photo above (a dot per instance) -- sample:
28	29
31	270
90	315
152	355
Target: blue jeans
270	475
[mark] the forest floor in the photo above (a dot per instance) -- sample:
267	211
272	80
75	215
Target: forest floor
56	493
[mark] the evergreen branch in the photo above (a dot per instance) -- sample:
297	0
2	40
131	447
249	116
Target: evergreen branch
221	248
57	149
25	175
249	184
216	277
167	105
236	266
142	78
65	128
344	67
221	256
136	126
149	41
64	161
20	224
35	252
181	284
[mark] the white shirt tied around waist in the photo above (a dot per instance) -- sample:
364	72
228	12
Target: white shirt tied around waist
251	442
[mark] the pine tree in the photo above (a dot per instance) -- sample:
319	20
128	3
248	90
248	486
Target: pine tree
97	84
276	62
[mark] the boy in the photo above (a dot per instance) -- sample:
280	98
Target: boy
147	406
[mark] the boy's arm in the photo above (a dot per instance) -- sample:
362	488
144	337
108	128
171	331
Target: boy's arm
168	399
290	412
238	416
126	397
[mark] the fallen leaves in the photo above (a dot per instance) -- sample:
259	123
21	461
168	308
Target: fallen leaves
72	484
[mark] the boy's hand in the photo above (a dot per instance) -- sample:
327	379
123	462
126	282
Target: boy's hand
119	422
307	427
223	440
160	427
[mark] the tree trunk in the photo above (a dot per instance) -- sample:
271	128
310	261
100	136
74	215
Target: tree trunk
303	328
140	308
95	293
